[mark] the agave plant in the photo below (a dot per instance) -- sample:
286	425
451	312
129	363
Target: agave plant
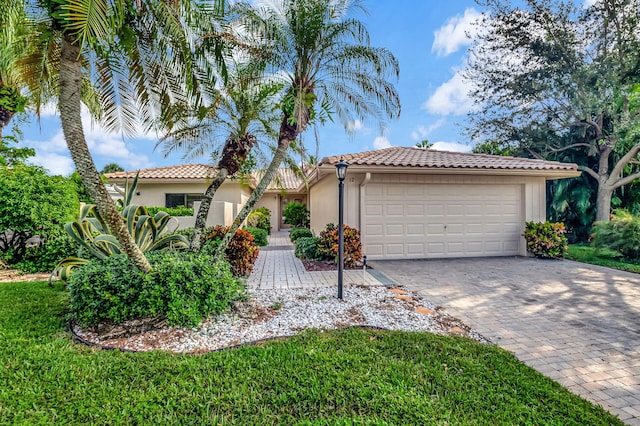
94	238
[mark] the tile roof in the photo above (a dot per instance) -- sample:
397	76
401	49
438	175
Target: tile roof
184	171
419	157
286	180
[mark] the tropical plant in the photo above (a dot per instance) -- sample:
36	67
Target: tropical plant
32	203
329	68
259	236
242	253
296	214
569	83
260	218
546	240
296	233
621	234
92	233
328	244
244	114
307	248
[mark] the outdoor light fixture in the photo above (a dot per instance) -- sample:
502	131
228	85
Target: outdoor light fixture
341	173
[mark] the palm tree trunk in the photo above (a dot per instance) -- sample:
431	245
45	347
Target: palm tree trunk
69	103
203	211
288	134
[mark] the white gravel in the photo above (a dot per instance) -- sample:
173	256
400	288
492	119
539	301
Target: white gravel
279	313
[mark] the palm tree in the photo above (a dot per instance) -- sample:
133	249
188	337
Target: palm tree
245	113
327	64
141	61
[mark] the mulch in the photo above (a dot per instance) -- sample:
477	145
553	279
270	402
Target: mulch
324	265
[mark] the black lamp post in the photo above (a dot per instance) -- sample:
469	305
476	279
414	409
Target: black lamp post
341	172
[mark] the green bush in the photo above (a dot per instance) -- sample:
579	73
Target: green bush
183	287
45	257
260	218
328	244
173	211
307	248
297	215
546	240
621	234
259	236
241	253
296	233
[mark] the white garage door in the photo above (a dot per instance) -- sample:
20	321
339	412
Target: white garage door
418	221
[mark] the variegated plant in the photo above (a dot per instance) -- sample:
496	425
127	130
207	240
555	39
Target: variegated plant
92	233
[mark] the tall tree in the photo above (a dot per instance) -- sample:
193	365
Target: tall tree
140	60
327	64
567	80
244	115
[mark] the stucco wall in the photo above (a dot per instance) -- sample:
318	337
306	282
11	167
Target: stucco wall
272	202
153	194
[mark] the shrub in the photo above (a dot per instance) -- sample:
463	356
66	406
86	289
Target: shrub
296	233
546	240
260	218
45	257
259	236
241	253
173	211
328	244
621	234
297	215
183	287
307	248
32	203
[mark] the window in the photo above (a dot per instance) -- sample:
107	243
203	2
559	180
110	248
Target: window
186	200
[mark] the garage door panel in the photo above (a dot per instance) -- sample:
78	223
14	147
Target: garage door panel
431	221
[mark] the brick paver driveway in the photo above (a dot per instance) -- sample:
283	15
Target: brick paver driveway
578	324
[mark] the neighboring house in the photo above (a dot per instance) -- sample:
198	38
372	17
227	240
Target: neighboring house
409	203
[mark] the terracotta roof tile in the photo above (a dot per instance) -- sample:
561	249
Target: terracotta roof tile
418	157
286	179
185	171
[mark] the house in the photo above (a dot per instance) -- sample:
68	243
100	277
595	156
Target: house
409	203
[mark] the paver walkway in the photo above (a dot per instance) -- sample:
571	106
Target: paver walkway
278	268
578	324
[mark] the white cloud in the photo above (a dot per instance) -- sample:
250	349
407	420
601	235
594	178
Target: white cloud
105	147
451	146
422	132
588	3
381	142
455	33
354	126
452	97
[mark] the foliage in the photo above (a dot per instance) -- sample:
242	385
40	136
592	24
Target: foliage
46	256
621	234
172	211
111	168
81	190
260	218
91	233
183	287
307	248
11	99
259	236
10	155
296	214
546	239
565	90
241	253
603	257
296	233
328	244
48	379
32	203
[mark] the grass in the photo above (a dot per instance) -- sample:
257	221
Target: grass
349	376
611	259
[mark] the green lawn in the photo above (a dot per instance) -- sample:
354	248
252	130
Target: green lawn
587	254
350	376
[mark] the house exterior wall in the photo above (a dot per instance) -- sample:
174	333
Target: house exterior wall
272	202
324	195
153	194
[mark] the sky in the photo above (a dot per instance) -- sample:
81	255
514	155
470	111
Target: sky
430	41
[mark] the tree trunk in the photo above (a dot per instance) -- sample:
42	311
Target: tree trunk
603	202
203	211
70	115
